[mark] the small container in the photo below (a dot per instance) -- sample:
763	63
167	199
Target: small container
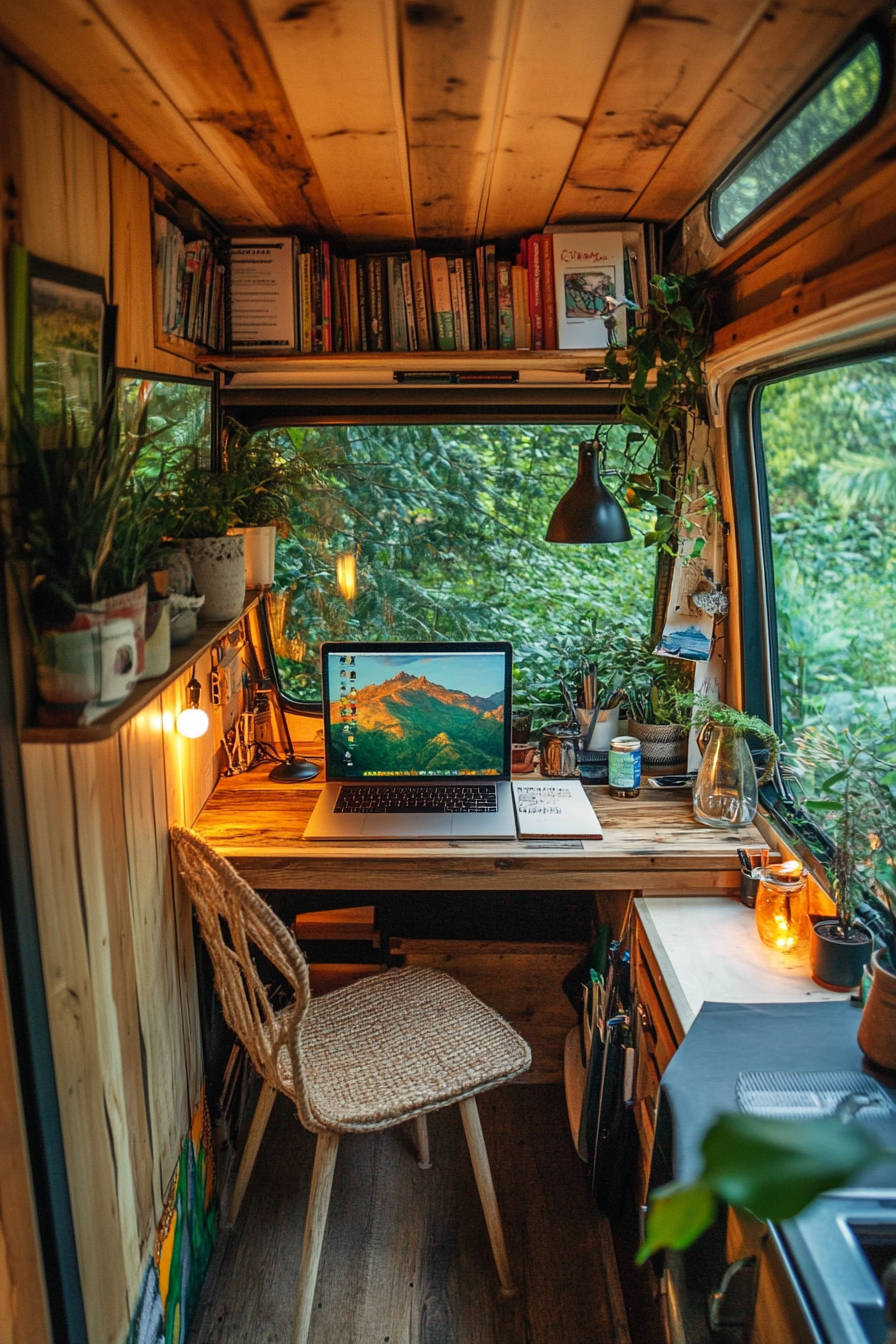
782	913
624	767
560	748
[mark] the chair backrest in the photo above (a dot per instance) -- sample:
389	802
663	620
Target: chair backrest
233	918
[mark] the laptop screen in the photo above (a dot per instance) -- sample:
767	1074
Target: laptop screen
417	711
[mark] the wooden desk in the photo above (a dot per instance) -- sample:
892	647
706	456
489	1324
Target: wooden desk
650	845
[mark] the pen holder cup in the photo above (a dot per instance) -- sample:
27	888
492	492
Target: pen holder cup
749	885
600	729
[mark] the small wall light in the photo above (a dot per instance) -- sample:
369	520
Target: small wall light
347	575
192	721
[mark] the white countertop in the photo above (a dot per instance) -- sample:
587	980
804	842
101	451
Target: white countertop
707	949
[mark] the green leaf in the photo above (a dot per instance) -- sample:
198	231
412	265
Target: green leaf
775	1168
651	538
698	547
823	804
683	317
834	779
676	1217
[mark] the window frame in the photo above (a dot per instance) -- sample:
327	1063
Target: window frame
872	30
120	372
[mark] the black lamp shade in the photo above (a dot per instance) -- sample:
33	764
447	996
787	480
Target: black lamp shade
588	513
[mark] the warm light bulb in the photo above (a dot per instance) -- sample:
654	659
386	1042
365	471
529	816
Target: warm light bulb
192	722
347	575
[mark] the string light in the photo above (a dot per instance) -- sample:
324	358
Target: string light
347	575
192	721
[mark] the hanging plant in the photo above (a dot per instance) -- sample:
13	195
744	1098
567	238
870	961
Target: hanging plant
662	369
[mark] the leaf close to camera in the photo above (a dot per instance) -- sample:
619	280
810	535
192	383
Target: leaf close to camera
677	1215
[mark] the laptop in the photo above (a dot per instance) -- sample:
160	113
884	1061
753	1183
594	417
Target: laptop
417	742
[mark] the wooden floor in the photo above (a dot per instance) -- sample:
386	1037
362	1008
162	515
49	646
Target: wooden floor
406	1258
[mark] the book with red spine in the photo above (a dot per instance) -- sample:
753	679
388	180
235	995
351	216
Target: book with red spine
536	300
547	290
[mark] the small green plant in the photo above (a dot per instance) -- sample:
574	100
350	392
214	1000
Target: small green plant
198	502
703	712
266	477
654	685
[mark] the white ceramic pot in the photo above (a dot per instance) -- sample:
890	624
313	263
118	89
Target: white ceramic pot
259	545
219	572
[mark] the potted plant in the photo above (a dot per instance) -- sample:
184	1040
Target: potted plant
266	477
859	810
86	617
198	511
652	689
726	791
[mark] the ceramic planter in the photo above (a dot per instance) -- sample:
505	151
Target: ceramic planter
86	667
838	963
219	572
877	1029
664	747
259	546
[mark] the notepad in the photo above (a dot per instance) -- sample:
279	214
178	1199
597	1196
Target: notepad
554	807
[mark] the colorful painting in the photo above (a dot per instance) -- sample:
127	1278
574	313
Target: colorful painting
185	1238
68	313
585	291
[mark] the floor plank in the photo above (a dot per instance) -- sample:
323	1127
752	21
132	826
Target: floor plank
406	1256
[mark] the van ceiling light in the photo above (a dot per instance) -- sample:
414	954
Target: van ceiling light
588	513
192	721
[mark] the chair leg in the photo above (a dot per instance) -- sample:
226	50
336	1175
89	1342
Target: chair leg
250	1152
315	1226
483	1172
421	1136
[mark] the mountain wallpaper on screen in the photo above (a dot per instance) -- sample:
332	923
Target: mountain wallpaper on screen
410	723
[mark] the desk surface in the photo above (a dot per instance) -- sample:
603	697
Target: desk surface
650	844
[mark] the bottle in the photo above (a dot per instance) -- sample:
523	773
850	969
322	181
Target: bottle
625	767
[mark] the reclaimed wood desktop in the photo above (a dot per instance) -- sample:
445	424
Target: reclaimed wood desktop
651	845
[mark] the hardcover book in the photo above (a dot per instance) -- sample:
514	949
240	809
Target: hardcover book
442	310
505	305
589	268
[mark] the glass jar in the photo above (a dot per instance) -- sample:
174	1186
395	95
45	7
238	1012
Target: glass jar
726	792
782	908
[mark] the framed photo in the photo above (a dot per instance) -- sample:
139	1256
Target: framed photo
71	343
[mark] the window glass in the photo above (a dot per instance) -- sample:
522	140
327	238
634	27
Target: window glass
179	420
830	458
835	110
437	532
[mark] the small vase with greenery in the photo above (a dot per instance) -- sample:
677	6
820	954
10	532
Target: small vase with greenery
198	509
726	792
652	687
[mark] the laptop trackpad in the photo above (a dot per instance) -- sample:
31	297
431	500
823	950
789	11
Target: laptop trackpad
407	826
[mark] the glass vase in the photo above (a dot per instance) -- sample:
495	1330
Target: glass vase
726	793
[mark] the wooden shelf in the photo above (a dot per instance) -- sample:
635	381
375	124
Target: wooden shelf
108	724
378	367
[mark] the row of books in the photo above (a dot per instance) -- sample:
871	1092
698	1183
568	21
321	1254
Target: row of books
563	290
191	287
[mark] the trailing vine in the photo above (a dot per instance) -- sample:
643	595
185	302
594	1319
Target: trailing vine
672	345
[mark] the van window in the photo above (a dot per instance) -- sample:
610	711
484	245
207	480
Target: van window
830	461
179	419
846	98
431	532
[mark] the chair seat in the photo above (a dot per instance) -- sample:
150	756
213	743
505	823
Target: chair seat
398	1044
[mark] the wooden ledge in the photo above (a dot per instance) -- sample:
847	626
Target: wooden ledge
108	724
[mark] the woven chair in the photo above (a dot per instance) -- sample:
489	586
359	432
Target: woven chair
377	1053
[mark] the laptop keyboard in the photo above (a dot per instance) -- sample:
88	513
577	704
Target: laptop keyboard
405	798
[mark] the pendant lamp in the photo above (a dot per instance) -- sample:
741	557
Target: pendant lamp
588	513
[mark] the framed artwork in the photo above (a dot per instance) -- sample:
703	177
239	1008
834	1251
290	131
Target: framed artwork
70	348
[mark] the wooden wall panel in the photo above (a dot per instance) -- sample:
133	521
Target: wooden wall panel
341	75
455	58
561	54
64	165
670	57
792	39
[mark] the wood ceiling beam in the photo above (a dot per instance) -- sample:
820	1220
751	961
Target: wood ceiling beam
210	59
670	57
340	70
793	39
561	57
70	46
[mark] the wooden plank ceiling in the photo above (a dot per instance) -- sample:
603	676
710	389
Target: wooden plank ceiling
379	122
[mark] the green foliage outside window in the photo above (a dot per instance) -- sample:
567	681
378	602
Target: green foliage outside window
838	107
448	526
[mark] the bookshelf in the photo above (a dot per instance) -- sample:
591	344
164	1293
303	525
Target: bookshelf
170	208
575	366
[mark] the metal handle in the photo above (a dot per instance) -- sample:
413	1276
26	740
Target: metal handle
647	1027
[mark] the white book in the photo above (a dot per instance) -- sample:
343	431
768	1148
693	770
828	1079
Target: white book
263	294
551	808
588	267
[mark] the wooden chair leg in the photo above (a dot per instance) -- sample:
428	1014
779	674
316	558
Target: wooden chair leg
315	1226
479	1155
421	1136
250	1152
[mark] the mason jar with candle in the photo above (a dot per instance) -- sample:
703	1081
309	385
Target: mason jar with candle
782	908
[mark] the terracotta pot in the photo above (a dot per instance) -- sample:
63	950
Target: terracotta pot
219	572
877	1029
664	747
260	547
836	963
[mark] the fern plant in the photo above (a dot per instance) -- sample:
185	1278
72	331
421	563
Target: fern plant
704	712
